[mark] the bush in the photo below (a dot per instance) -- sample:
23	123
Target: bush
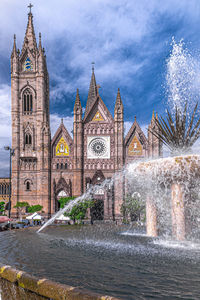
35	208
79	210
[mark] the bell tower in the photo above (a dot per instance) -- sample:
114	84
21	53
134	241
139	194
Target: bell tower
30	122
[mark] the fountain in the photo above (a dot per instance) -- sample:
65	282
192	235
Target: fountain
133	264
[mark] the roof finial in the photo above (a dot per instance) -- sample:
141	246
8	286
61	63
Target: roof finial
30	6
61	120
135	118
93	63
14	37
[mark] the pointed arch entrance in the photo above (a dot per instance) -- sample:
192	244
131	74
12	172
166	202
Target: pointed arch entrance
97	211
61	189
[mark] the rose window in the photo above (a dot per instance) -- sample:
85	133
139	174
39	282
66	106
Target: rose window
98	147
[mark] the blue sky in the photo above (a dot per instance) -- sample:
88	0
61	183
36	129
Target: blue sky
129	41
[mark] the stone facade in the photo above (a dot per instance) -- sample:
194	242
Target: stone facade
45	169
4	189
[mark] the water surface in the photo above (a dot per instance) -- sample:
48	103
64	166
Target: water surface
107	259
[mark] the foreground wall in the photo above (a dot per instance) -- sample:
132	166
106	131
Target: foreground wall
18	285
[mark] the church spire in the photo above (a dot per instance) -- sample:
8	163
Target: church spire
92	94
29	39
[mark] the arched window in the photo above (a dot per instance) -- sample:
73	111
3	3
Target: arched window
0	189
28	186
65	166
28	102
61	165
28	139
57	166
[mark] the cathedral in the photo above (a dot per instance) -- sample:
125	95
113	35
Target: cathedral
44	168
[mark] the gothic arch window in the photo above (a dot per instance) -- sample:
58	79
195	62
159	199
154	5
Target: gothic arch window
65	166
28	139
61	165
27	102
28	186
28	183
57	166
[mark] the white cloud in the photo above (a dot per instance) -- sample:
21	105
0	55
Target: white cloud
75	33
5	115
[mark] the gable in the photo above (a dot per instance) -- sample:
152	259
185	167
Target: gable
98	117
62	143
99	113
135	147
62	148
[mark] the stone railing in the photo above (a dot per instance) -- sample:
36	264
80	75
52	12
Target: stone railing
17	285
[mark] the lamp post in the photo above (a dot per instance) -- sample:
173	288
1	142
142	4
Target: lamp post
11	154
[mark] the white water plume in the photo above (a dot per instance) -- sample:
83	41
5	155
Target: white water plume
182	78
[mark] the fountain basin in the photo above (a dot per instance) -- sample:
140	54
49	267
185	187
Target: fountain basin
177	174
103	260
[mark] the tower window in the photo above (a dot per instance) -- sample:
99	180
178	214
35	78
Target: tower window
61	165
28	139
65	166
28	186
57	166
27	102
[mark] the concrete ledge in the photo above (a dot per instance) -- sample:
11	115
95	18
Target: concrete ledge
47	288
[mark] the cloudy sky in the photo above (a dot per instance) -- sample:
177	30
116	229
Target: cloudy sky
129	41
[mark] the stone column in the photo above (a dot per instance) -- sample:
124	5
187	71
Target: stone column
151	217
178	211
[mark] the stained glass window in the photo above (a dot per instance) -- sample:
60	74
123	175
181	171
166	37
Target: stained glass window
28	65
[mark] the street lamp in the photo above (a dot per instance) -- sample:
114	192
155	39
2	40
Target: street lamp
11	154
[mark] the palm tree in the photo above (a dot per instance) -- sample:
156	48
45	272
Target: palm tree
178	132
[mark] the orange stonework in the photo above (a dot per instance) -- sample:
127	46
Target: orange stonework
178	212
151	217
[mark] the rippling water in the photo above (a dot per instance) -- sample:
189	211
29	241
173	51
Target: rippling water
108	260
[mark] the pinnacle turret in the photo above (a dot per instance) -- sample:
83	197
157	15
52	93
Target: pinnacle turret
118	103
77	101
14	51
40	44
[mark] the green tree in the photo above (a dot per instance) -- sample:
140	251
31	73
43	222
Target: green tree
132	207
79	210
2	207
35	208
21	206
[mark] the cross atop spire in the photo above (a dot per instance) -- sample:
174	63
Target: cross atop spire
93	63
30	6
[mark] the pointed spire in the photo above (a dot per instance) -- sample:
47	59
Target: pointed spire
92	94
29	39
135	118
118	103
62	121
118	99
14	51
77	101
